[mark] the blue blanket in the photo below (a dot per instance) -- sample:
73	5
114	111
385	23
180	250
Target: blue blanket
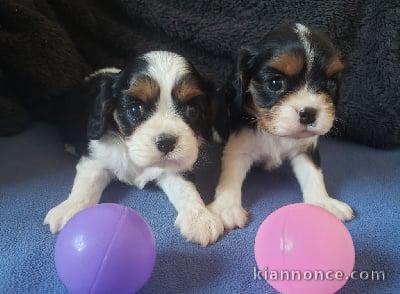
35	175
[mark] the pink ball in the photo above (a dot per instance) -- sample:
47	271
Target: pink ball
302	248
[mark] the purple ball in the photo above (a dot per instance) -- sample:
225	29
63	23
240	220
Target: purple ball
107	248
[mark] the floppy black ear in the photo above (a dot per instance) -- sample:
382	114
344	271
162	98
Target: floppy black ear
210	110
102	106
244	70
220	110
246	60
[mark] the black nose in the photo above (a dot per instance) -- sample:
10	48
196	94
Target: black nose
307	115
166	143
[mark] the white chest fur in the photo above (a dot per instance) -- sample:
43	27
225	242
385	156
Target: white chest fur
271	150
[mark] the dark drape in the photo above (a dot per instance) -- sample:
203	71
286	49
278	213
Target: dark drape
47	46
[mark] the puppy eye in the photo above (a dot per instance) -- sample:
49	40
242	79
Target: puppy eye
191	112
275	84
136	110
331	84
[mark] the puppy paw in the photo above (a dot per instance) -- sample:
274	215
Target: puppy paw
200	226
58	216
338	208
232	216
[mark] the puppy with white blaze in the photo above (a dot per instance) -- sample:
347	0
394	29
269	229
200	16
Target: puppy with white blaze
281	100
144	123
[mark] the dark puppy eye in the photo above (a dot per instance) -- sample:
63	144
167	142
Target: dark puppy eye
331	84
275	83
191	112
135	110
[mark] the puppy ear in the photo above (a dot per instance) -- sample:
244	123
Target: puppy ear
246	60
210	110
220	110
245	68
101	110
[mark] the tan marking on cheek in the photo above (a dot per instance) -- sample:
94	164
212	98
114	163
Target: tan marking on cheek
262	118
186	89
261	114
272	119
290	63
335	66
145	89
328	105
326	114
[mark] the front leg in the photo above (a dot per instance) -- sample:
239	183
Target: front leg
236	162
195	222
90	180
309	174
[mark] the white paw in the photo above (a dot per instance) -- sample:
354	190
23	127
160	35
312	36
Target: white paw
198	225
232	215
58	216
338	208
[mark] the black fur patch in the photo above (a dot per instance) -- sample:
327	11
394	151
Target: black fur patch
84	112
198	111
189	176
130	111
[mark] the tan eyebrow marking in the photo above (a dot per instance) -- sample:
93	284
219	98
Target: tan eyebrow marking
335	66
289	63
145	89
186	89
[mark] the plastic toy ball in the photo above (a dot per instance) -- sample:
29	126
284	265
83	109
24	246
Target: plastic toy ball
107	248
304	249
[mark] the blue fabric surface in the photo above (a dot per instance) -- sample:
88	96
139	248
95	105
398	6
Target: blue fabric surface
35	175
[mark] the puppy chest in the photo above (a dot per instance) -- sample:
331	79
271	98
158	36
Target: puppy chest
270	152
274	150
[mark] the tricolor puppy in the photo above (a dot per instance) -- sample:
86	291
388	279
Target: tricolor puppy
144	123
282	99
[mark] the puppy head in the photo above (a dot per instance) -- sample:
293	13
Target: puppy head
289	83
160	107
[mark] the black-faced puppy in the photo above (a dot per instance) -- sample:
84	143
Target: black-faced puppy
145	123
283	99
